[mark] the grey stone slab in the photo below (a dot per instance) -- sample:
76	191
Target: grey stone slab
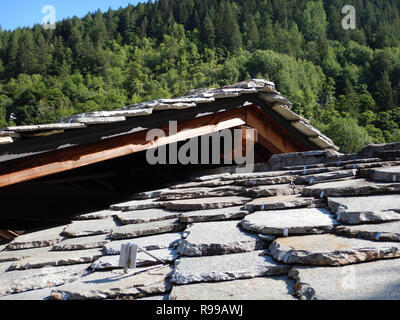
21	281
289	222
121	113
113	284
353	187
278	202
164	297
196	193
43	127
226	267
35	295
6	256
271	191
215	238
256	175
271	288
213	215
328	249
148	194
207	184
146	229
6	140
174	106
56	258
4	266
321	177
376	232
160	241
143	216
112	262
205	203
265	181
365	209
83	228
386	174
307	158
136	205
44	238
98	120
103	214
378	280
81	243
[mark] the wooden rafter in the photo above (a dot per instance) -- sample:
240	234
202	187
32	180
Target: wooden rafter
271	135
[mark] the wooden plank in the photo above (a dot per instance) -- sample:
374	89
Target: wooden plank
75	157
274	137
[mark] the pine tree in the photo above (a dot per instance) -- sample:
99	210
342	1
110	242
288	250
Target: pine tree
208	32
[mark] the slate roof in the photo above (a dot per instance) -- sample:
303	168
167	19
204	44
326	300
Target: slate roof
264	89
313	225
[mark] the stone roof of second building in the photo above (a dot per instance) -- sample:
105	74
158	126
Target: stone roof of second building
313	225
264	89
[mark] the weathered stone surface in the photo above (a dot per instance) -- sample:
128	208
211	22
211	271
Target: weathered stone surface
271	191
174	106
196	193
148	194
378	280
83	228
20	281
114	284
98	120
370	209
6	140
112	262
291	222
38	239
227	267
265	181
273	98
136	205
42	127
103	214
146	229
333	175
205	204
279	161
375	232
35	295
376	149
386	174
214	238
121	113
328	249
213	215
255	175
6	256
144	216
160	241
81	243
271	288
353	187
56	258
164	297
278	202
207	184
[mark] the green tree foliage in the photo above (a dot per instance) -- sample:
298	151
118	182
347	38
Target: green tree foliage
346	79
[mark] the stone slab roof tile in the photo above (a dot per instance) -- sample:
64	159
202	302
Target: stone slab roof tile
204	242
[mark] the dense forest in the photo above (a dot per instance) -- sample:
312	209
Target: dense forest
347	82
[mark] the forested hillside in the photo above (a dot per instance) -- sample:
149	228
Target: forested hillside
347	82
